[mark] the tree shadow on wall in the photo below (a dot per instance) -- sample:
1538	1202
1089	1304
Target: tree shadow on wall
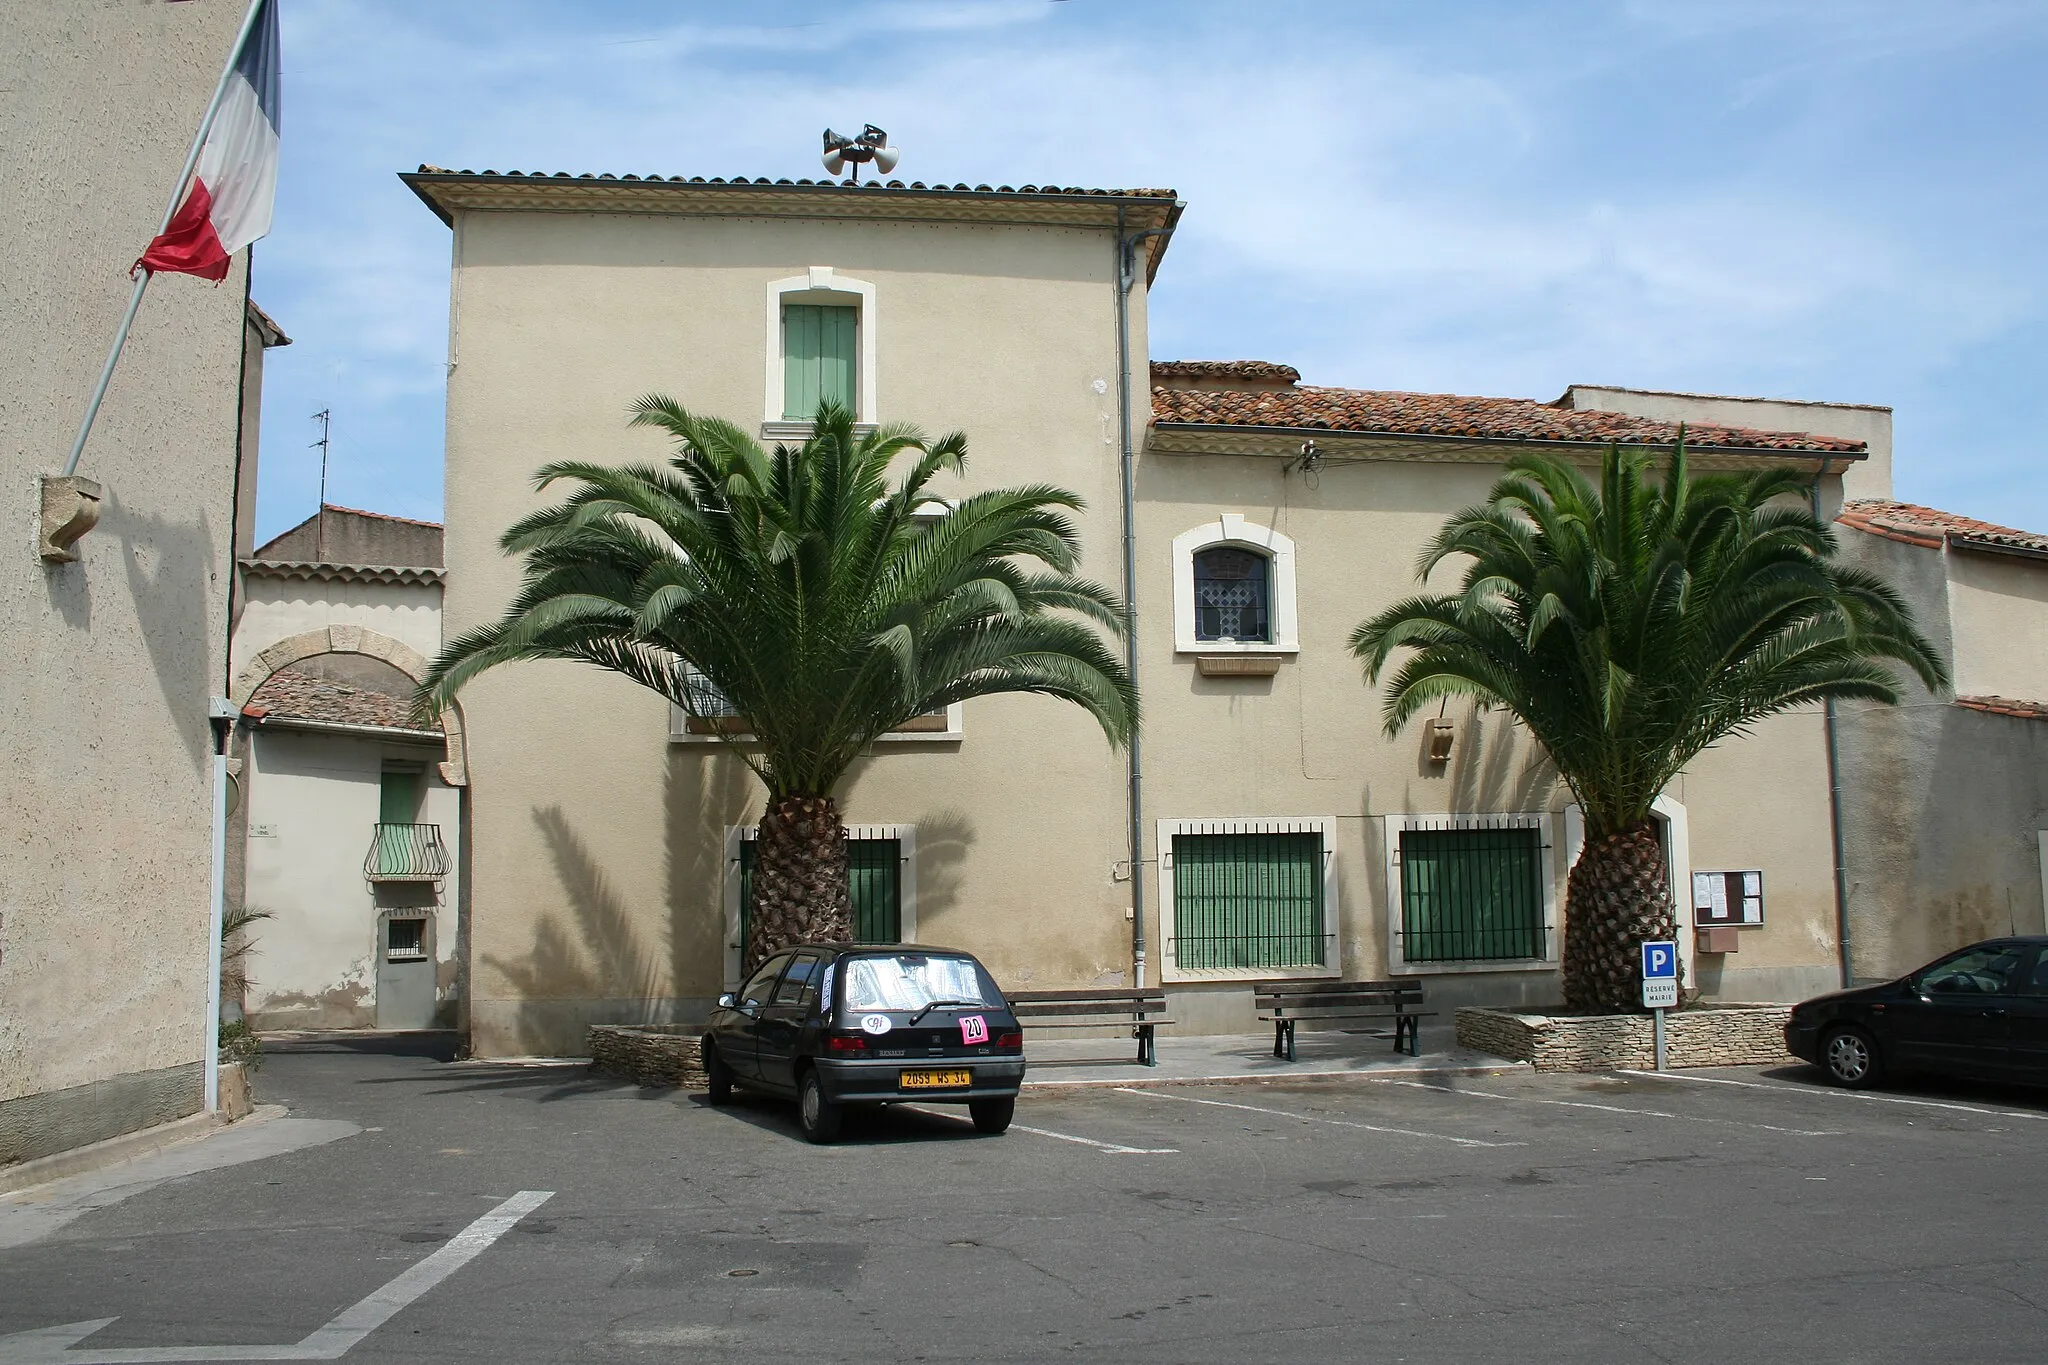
708	790
590	951
943	839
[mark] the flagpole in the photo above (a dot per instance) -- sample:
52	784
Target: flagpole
220	90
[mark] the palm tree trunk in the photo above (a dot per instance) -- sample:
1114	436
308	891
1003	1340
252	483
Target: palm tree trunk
1619	895
800	878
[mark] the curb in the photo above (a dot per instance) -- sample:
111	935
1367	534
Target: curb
111	1151
1269	1077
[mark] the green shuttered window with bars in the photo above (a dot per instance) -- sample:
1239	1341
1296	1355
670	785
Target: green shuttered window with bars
818	358
1248	900
1472	894
875	880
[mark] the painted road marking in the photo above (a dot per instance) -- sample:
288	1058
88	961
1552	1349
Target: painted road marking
1317	1118
1838	1094
52	1345
1616	1109
1115	1148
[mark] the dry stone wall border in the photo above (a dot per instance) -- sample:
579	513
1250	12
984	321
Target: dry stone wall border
1723	1035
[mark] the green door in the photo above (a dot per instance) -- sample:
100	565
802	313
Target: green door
398	808
875	882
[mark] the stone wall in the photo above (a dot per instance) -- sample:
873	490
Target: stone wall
647	1056
1727	1035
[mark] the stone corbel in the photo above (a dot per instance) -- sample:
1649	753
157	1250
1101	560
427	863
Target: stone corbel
71	507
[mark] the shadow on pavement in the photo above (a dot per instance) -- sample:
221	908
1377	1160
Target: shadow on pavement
440	1045
1922	1087
866	1125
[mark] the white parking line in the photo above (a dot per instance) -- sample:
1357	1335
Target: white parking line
1617	1109
1838	1094
1113	1148
1317	1118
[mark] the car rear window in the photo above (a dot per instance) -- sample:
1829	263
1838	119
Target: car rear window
911	981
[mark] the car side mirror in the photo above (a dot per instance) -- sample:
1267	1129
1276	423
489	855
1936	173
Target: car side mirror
727	1001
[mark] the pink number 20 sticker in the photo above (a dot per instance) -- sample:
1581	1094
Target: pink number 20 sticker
974	1029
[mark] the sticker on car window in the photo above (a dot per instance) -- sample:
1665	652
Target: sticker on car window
974	1029
875	1023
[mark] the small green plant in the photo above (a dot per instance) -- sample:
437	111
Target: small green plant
240	1043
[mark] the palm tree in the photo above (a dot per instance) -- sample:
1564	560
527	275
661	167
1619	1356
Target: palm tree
803	591
1629	627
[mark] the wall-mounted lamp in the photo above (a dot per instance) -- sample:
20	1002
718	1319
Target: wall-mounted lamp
1442	732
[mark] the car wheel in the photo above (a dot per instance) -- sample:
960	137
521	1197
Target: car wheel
992	1116
1849	1056
717	1075
819	1116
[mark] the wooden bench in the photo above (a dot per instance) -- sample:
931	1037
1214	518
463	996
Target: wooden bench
1286	1004
1141	1010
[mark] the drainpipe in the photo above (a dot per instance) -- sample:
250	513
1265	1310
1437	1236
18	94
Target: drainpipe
1834	788
221	715
1126	276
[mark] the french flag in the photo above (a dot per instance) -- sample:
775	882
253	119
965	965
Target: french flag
234	182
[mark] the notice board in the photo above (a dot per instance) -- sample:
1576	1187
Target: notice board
1720	898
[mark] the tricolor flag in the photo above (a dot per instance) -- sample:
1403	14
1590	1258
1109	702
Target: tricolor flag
235	181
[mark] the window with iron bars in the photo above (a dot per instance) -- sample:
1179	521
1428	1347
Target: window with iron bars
1248	899
1473	892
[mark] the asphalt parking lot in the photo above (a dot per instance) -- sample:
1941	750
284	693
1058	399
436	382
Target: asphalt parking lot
1430	1217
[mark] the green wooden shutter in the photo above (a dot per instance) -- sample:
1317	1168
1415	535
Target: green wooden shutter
875	872
875	869
1471	895
398	804
1248	900
818	360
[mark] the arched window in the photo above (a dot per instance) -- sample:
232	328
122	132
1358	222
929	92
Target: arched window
1233	589
820	344
1233	595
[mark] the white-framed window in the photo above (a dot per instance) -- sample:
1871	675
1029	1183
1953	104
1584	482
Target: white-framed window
820	341
882	879
1249	900
1233	589
1471	893
708	726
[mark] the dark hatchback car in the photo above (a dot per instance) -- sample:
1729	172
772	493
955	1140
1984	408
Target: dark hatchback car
1980	1013
836	1024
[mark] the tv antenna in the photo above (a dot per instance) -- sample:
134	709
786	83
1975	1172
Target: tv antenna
325	418
871	145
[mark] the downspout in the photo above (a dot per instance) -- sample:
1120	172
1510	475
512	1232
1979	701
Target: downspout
1834	787
1126	276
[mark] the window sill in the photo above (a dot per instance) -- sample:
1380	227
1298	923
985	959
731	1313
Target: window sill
801	431
1186	646
1514	964
1171	974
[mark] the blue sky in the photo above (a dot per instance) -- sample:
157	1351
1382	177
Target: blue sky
1817	200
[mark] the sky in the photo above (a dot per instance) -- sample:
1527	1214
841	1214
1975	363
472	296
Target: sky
1831	201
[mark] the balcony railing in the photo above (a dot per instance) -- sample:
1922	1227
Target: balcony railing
406	853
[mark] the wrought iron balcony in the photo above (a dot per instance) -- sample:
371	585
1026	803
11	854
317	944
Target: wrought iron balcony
406	853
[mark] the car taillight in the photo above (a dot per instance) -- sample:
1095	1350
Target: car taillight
1010	1042
846	1043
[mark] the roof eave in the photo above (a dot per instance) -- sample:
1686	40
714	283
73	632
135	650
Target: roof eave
1539	443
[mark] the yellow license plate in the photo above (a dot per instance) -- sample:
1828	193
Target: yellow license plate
934	1080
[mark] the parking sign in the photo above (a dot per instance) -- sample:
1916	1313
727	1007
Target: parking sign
1660	975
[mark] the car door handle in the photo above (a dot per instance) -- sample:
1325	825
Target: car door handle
1994	1014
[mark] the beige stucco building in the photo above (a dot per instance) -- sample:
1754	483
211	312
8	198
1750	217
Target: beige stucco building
349	834
1281	834
111	657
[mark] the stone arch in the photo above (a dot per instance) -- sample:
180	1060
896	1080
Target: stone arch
374	644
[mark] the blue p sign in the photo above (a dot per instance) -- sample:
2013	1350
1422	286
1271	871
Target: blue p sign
1660	959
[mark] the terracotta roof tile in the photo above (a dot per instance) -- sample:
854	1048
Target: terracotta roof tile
2006	706
870	186
1930	528
379	516
1224	369
292	695
1380	412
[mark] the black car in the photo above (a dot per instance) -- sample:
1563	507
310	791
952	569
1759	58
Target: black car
834	1024
1980	1013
